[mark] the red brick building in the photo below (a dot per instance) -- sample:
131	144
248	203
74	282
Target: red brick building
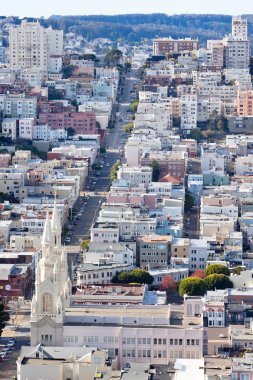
84	123
15	281
59	116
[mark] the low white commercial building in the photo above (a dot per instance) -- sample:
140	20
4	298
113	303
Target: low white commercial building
135	175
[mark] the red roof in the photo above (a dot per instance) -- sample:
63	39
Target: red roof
169	178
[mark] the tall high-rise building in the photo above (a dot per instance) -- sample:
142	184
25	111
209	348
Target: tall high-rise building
237	46
31	45
240	27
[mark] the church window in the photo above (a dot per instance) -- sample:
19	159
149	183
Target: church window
47	303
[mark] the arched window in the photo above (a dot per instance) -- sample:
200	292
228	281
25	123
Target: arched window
47	304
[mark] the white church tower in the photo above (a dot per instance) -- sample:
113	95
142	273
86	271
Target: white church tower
52	287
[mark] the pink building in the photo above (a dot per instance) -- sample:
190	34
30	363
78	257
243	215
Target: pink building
5	160
83	123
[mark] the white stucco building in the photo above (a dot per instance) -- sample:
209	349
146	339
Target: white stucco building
137	333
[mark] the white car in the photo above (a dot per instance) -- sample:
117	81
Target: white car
107	164
10	343
6	349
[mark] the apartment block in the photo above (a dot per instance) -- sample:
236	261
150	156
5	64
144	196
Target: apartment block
188	113
81	122
153	251
31	45
165	46
244	103
9	128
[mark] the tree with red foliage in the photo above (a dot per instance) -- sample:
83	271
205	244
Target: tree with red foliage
168	284
199	274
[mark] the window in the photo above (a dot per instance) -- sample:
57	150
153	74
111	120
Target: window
47	306
244	376
188	342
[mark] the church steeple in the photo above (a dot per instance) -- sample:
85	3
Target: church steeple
47	237
52	286
56	226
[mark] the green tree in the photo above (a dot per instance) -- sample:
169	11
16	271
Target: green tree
138	276
4	317
196	134
113	57
67	71
102	150
218	281
54	94
8	197
114	171
217	269
89	57
156	170
128	127
189	200
85	244
128	66
238	270
192	286
213	120
134	105
142	276
70	131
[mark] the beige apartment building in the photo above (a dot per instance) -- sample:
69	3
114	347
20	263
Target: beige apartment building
31	45
180	248
153	251
244	104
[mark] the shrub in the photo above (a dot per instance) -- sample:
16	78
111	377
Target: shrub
217	269
168	284
192	286
218	281
199	274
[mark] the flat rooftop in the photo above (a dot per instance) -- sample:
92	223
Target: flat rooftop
126	311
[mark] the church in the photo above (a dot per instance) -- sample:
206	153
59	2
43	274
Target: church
52	287
136	333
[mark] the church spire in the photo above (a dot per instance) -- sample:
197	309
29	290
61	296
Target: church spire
56	225
47	237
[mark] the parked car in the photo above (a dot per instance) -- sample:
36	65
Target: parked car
11	343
